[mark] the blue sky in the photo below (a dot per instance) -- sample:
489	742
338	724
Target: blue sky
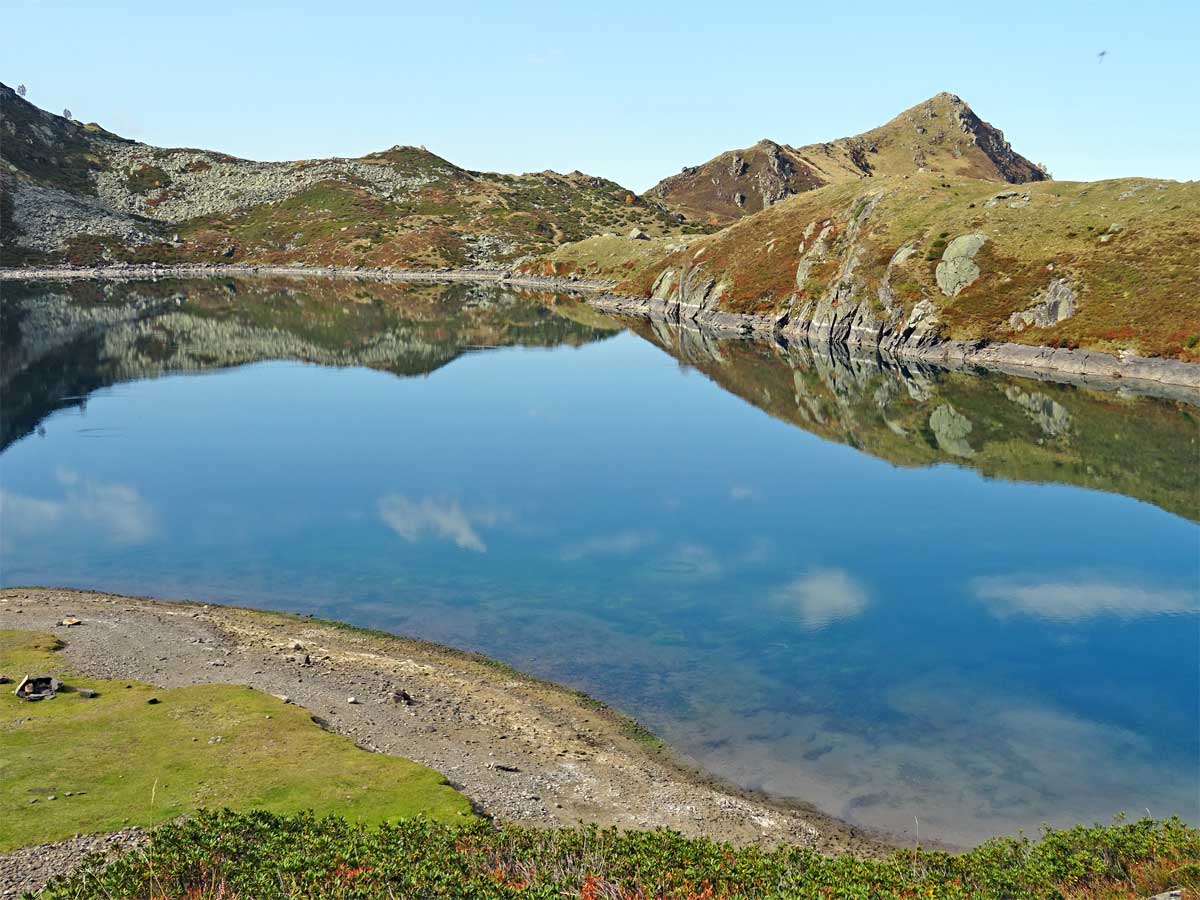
630	91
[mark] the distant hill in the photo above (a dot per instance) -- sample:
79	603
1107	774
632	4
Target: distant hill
942	135
78	193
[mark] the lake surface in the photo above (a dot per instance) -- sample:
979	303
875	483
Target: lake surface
892	592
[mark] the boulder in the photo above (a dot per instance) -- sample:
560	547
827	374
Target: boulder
1051	305
638	235
957	270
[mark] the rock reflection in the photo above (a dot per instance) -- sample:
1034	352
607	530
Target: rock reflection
60	342
1004	426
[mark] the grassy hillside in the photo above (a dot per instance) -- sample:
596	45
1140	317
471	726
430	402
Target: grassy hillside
1127	251
76	764
942	136
264	857
79	194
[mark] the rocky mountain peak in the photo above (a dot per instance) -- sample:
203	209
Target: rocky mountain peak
938	135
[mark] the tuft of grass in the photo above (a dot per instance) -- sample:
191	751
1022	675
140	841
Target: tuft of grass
259	855
128	762
145	179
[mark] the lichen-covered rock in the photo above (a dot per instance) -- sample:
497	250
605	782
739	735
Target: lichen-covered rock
663	285
957	270
1053	304
886	296
813	253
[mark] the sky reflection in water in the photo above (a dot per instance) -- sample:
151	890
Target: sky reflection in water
884	641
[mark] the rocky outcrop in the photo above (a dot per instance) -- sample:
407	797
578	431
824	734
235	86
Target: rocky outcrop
1011	199
920	338
199	183
45	218
846	312
1010	165
957	270
1053	304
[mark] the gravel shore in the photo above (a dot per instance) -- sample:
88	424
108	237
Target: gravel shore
521	749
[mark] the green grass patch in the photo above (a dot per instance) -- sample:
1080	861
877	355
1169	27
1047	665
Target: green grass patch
263	856
145	179
128	762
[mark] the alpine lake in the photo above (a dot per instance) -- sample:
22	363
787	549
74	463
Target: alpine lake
896	592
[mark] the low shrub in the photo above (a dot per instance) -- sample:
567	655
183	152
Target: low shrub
260	855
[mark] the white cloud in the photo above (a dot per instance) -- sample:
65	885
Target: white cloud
622	543
696	560
738	492
445	519
823	596
117	511
1076	599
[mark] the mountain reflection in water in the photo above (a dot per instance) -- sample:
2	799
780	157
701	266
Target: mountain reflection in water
884	639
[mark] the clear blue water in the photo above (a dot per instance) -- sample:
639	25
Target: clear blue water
876	612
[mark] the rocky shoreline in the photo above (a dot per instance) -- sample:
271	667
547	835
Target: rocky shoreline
521	749
907	342
141	272
912	344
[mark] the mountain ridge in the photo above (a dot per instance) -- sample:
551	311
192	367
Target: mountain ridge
910	232
78	193
75	192
940	135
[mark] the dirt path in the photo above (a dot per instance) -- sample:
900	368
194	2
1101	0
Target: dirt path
522	750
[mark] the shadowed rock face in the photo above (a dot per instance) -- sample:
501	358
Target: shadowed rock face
1003	426
62	342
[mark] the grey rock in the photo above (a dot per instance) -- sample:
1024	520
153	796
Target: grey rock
957	270
995	199
1053	304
